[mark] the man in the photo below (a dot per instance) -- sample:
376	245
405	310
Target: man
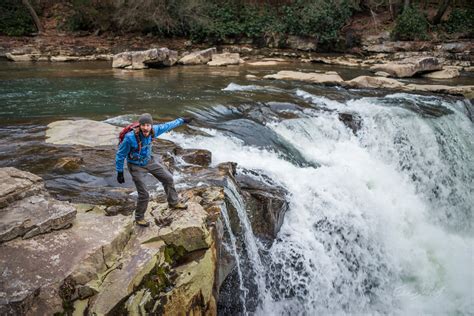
136	147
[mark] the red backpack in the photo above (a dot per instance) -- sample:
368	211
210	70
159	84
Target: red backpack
135	127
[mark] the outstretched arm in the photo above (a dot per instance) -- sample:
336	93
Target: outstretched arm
122	152
165	127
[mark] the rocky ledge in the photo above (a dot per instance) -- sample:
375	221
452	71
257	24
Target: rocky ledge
78	258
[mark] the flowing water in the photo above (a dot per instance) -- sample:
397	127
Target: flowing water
379	221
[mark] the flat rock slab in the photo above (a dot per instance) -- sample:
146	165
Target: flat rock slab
82	132
313	77
34	215
33	270
374	82
143	253
17	184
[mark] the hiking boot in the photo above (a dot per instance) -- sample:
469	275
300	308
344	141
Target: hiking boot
142	222
179	205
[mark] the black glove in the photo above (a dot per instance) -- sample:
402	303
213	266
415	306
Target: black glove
120	178
188	119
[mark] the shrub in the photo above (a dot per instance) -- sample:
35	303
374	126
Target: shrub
15	19
411	25
460	20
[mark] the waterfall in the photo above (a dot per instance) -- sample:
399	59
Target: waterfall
235	254
384	225
250	242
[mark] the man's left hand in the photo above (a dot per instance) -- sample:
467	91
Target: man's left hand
188	119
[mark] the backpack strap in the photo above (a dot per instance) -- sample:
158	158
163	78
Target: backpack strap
136	132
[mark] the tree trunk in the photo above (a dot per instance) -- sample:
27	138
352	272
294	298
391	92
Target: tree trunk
441	10
33	14
406	4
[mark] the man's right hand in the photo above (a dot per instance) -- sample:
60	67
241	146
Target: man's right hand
120	178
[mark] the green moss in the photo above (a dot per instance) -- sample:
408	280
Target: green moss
174	253
157	281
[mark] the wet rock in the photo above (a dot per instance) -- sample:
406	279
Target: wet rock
265	203
446	73
82	132
224	59
27	209
409	67
352	121
69	163
156	57
199	57
200	157
374	82
41	275
312	77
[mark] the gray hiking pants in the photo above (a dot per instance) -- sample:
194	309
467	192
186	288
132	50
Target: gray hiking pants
159	171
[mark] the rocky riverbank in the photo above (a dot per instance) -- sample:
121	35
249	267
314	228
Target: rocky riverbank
76	258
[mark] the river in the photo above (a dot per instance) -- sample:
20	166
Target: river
380	217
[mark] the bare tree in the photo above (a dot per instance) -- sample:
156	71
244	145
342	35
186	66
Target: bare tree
441	10
34	16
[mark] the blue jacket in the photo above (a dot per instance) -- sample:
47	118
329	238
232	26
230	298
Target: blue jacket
129	146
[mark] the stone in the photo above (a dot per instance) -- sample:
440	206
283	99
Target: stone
265	204
374	82
224	59
82	132
409	66
41	273
68	163
341	61
193	293
302	43
187	229
199	57
17	185
21	58
122	60
456	90
251	77
26	208
64	58
34	215
447	73
382	74
264	63
312	77
156	57
200	157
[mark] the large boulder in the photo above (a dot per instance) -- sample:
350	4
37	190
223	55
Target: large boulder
409	66
199	57
27	209
156	57
225	59
447	73
82	132
456	90
42	275
313	77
